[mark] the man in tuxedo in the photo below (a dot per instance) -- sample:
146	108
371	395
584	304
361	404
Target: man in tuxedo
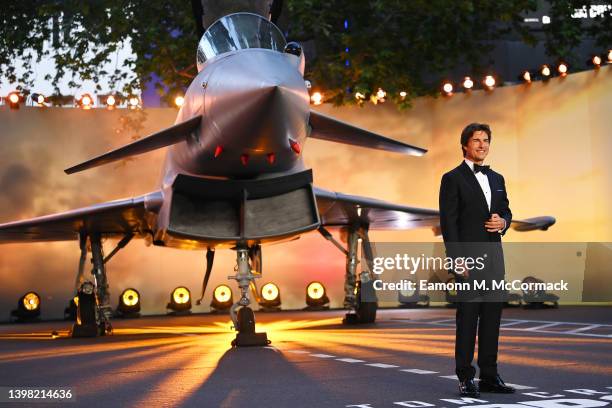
474	214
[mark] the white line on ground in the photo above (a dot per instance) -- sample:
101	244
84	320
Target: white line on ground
450	377
418	371
542	326
521	387
350	360
381	365
322	355
581	329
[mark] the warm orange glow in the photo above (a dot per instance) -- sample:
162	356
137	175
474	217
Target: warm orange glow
130	297
489	81
86	101
134	101
181	295
562	69
381	94
222	293
527	76
269	292
179	101
315	290
447	88
111	101
317	98
545	70
31	301
13	97
468	83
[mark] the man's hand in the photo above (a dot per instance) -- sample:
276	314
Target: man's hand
495	223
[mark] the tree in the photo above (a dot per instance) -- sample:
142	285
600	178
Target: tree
396	45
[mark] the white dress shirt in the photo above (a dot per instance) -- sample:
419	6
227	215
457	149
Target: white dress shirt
483	180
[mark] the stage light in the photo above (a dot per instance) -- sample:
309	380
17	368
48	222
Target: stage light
13	98
526	77
545	71
489	82
595	61
38	99
359	96
447	88
134	102
411	297
129	303
180	301
28	308
562	69
538	298
403	94
222	298
468	83
111	101
85	101
381	95
609	56
270	298
316	298
179	101
316	98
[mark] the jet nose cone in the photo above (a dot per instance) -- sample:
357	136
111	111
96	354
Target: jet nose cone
256	97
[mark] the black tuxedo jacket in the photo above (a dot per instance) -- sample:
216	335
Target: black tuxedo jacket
464	211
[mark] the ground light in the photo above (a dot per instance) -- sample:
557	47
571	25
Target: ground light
129	304
316	297
222	299
270	298
180	301
28	308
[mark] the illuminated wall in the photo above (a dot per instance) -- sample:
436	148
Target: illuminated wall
550	140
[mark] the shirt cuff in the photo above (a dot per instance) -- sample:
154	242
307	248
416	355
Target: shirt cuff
501	231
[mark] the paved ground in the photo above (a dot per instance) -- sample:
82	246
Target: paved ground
556	358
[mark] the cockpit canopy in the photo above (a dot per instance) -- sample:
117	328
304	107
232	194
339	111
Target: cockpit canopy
237	32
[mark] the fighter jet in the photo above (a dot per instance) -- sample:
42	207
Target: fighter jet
234	177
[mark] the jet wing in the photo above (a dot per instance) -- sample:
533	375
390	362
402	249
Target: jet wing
338	210
117	217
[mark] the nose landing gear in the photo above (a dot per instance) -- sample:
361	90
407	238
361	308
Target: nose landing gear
240	312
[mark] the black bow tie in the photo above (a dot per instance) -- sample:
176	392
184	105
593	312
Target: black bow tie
483	169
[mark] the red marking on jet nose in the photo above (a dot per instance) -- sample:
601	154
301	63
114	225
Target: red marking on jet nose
244	159
295	146
271	158
218	151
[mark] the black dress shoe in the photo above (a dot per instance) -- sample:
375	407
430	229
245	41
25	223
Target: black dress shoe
468	388
495	385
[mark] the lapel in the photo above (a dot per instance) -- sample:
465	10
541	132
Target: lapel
469	176
494	193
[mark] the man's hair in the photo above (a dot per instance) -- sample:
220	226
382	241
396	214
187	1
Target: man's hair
469	131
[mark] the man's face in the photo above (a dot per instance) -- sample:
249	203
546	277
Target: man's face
477	147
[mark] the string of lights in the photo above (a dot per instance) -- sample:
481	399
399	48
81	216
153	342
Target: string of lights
317	97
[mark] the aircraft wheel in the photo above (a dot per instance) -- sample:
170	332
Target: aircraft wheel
366	312
246	320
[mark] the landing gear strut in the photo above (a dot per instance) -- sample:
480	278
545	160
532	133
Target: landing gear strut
359	294
93	299
243	318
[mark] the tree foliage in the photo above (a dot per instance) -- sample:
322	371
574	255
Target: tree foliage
396	45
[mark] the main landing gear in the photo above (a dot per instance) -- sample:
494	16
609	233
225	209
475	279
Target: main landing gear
240	312
93	298
359	294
